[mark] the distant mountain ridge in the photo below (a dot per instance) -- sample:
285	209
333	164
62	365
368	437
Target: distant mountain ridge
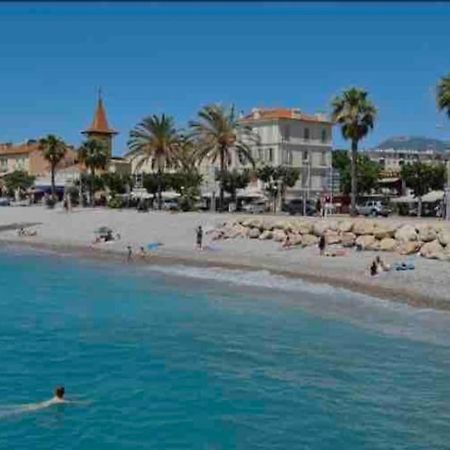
414	143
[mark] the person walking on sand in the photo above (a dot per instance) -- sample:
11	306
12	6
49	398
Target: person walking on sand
130	253
322	245
199	235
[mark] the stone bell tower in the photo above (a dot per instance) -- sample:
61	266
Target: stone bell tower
99	128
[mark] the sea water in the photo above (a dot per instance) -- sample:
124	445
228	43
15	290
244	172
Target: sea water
183	358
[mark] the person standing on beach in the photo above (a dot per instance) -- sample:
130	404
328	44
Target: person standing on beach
130	254
199	237
143	253
322	245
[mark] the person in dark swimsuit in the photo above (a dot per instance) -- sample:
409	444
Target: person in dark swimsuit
199	237
322	245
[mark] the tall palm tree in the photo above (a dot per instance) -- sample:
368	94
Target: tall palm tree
155	139
94	155
219	134
187	153
443	94
53	149
356	115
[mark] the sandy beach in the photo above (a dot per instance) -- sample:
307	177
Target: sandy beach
73	232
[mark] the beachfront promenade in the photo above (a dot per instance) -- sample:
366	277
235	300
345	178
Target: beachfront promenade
74	232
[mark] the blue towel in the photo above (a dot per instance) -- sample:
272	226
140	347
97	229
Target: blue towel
153	245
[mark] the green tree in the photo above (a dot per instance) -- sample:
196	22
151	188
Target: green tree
367	176
116	183
219	134
94	155
356	116
53	149
187	184
422	178
156	139
19	180
234	180
276	180
155	183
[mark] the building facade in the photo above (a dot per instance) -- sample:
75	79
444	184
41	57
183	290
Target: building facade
29	158
288	137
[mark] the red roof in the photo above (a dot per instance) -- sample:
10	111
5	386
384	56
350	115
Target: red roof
100	123
282	113
21	149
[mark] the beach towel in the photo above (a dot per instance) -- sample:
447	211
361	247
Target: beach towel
154	245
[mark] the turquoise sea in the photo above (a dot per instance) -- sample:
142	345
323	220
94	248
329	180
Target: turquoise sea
183	358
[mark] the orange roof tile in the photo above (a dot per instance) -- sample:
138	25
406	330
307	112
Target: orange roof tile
21	149
282	113
100	123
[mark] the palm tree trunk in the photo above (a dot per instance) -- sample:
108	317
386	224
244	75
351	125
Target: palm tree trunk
419	206
53	181
91	193
159	180
353	167
222	174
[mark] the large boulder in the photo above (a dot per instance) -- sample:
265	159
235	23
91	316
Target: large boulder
432	250
365	241
309	239
382	231
363	227
444	237
388	244
333	225
266	234
320	227
295	239
348	239
345	226
304	227
406	233
426	233
278	225
278	235
408	247
254	233
332	237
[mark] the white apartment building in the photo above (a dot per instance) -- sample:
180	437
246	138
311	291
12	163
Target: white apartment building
288	137
391	160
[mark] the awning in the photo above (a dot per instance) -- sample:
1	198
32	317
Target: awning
404	199
433	196
388	180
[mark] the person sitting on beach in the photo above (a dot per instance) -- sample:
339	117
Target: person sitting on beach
373	268
381	265
322	245
287	242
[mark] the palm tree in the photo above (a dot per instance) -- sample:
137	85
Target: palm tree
53	149
94	154
356	116
443	94
219	134
155	139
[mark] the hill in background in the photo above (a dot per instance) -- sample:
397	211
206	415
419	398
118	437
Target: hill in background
414	143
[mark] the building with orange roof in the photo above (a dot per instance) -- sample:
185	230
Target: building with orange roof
289	137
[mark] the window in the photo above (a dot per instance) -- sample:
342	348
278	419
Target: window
260	154
287	157
323	159
286	133
270	154
305	156
306	134
324	135
382	162
3	164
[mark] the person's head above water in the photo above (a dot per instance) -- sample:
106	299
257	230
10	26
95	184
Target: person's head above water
59	391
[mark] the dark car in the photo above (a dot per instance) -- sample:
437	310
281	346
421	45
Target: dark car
5	201
295	206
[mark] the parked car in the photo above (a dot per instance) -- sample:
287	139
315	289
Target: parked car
5	201
373	208
295	206
170	205
255	207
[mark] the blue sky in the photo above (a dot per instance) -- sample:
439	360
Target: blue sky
175	58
